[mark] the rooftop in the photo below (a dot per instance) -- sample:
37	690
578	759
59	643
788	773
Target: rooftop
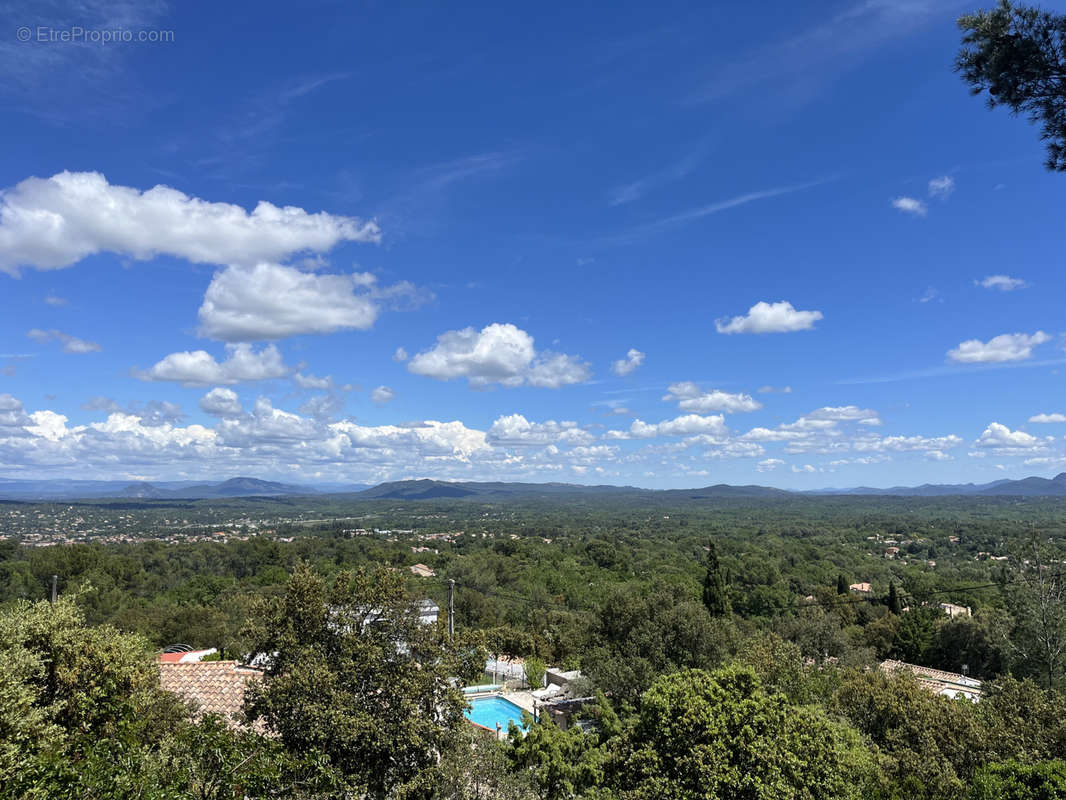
214	687
947	684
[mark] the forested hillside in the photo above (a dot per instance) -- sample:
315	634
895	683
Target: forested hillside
739	608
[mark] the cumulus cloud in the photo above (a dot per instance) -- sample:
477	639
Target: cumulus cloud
903	444
1004	283
1001	440
1048	418
51	223
221	402
157	412
685	425
690	397
272	301
152	413
1005	347
839	429
323	407
271	441
815	430
71	344
864	416
199	368
910	205
941	187
382	395
623	366
515	429
775	390
498	353
12	413
400	355
430	439
764	317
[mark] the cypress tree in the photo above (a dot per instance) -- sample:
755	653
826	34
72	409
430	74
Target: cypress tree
715	593
842	585
893	599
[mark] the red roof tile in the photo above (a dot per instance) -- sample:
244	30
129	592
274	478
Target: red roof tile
214	687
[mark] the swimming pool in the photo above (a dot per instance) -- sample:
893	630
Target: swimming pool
487	711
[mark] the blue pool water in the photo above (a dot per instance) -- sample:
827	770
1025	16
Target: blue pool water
488	711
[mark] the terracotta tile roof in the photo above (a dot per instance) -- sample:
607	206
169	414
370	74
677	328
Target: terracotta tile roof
949	684
215	687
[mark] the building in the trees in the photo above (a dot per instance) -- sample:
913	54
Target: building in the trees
945	684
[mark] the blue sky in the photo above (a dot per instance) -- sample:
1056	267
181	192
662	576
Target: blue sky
666	247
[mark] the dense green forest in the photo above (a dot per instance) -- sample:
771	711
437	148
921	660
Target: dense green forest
727	652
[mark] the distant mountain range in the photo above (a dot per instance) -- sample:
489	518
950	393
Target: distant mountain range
1025	487
15	489
158	490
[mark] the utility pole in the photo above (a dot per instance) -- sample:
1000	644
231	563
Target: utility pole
55	587
451	609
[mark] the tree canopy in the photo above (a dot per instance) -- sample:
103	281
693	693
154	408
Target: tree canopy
1016	56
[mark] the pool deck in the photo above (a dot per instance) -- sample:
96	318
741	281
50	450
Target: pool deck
522	699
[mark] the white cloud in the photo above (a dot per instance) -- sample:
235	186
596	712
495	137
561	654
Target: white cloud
323	407
515	429
199	368
634	358
12	414
804	468
1046	461
1005	283
382	395
690	397
308	381
685	425
769	464
1003	441
498	353
71	344
1048	418
271	301
903	444
730	449
864	416
942	187
938	455
400	355
426	439
272	442
51	223
909	205
49	425
55	300
1005	347
765	317
267	425
221	402
775	390
761	434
